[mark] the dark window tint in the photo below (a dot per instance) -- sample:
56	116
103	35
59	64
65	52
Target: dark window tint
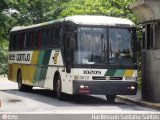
21	40
27	39
17	41
44	38
12	42
55	36
34	39
51	41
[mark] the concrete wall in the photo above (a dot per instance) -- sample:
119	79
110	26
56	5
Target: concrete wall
151	75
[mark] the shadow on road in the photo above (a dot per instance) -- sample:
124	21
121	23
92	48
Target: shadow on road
49	97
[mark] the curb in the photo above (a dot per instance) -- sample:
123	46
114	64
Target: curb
140	102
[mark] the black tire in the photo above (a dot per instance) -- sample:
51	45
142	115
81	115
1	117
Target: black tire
21	86
111	98
59	93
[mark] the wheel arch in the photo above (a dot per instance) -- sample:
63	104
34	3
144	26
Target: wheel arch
55	78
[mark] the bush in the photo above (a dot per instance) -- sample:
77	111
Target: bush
3	69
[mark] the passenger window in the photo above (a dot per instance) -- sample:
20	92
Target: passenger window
35	39
57	36
22	40
11	43
52	31
44	38
27	40
17	41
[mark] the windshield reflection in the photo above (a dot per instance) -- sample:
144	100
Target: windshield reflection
91	46
120	46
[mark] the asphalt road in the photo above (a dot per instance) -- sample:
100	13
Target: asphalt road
44	101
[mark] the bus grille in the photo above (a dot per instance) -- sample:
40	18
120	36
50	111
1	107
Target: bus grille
115	78
106	78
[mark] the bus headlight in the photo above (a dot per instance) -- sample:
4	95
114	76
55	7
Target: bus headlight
81	86
132	87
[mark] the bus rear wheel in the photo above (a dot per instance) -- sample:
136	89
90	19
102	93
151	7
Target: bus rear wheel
21	86
111	98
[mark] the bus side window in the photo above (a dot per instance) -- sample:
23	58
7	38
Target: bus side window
27	41
25	38
17	41
41	38
52	31
11	42
44	38
21	40
49	36
57	36
34	39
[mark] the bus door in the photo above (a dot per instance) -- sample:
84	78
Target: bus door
68	51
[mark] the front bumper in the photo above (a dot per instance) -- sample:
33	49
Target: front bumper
105	87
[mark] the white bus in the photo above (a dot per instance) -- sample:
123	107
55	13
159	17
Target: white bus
75	55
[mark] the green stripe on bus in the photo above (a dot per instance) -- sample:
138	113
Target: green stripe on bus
40	57
37	67
36	73
41	71
119	73
110	72
46	57
44	69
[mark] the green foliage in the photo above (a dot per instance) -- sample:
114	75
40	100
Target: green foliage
118	8
3	56
4	35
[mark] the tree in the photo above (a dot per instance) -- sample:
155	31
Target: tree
117	8
31	11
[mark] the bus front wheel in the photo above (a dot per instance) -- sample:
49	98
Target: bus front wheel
111	98
59	93
21	86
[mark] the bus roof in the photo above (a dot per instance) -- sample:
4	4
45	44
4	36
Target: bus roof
99	20
84	20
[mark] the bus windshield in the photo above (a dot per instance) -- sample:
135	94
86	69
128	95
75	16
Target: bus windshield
101	46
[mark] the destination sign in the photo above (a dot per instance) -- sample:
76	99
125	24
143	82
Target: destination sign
19	57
